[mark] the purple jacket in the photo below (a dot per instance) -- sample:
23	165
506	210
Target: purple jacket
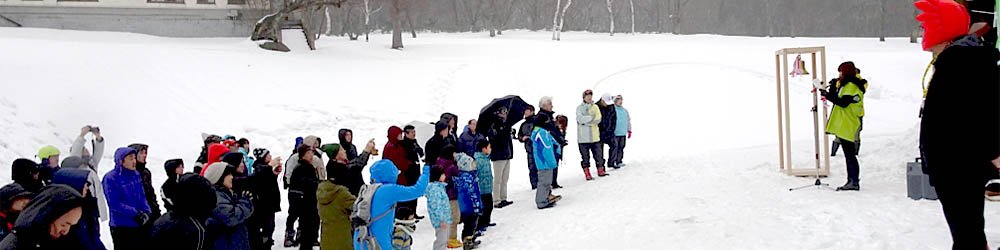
450	170
123	190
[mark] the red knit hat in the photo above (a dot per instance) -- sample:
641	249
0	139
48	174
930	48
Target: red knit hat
943	21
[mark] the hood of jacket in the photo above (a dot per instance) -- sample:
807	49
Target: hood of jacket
199	197
54	201
120	155
73	177
384	171
393	134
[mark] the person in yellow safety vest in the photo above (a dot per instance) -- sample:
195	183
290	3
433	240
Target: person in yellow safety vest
847	93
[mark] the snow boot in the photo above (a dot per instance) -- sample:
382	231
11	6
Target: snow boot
470	243
554	198
453	243
586	174
850	186
290	239
601	172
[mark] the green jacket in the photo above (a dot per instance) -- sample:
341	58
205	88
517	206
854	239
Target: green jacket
335	203
849	107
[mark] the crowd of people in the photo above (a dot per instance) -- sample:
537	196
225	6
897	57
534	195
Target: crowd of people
231	195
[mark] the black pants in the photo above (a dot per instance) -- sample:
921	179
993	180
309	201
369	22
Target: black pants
851	155
486	218
412	174
130	238
293	215
469	224
261	229
962	202
532	170
597	149
617	151
305	207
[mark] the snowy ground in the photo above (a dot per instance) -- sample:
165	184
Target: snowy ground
702	165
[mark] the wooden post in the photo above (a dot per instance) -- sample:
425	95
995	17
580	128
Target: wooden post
781	140
826	137
815	111
788	123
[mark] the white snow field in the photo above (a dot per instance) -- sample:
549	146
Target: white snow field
702	166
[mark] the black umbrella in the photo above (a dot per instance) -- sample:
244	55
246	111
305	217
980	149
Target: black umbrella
488	118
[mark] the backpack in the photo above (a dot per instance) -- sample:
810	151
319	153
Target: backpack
361	217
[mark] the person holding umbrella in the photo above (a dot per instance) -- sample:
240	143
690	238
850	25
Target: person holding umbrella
495	123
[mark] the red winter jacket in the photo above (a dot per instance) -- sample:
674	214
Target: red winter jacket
395	152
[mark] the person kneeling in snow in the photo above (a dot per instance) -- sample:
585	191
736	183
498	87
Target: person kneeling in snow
384	172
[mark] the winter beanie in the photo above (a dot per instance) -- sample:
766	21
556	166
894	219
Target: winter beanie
310	140
331	150
47	151
260	153
216	171
943	21
233	159
73	162
12	192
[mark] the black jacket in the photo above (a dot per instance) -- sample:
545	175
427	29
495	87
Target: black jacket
609	120
502	141
86	234
350	174
434	147
147	187
184	226
267	197
552	128
960	128
31	231
352	151
413	150
22	172
304	180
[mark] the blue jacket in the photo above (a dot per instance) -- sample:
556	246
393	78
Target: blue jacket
437	204
227	225
384	172
86	235
123	190
485	169
467	185
468	141
545	148
624	123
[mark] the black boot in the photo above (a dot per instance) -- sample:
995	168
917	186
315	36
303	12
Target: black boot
290	239
851	185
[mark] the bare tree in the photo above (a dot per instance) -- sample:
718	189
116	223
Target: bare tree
559	19
368	16
611	17
268	28
675	14
397	25
631	7
881	21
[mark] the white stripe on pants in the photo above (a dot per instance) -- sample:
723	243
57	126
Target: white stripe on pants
501	172
441	239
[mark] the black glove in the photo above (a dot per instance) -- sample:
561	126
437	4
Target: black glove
142	218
